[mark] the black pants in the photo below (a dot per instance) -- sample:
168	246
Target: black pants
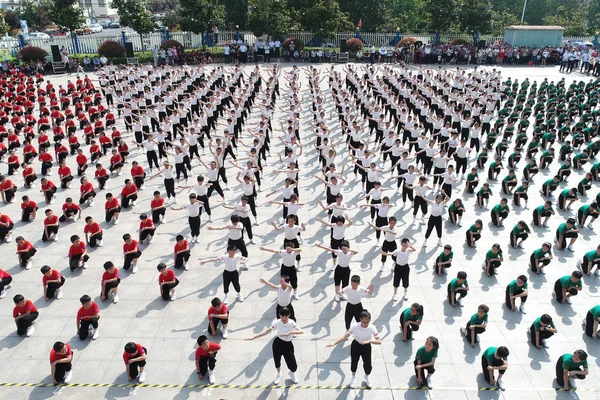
341	276
165	290
126	199
110	214
411	327
84	327
25	322
558	291
74	261
388	247
60	370
352	311
357	351
231	277
156	215
589	324
430	370
205	204
496	217
194	225
461	292
434	221
51	288
152	158
94	239
285	349
216	322
496	363
507	298
181	259
478	331
401	273
25	256
543	335
292	273
134	366
207	363
4	282
240	245
129	259
560	379
170	187
51	230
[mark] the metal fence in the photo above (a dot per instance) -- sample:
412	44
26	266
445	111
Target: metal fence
90	43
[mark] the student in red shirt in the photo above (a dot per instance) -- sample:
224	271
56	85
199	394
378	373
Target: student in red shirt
110	282
123	150
73	143
116	162
167	282
28	209
46	158
147	228
112	208
70	210
64	172
77	254
101	175
8	190
131	251
24	314
128	194
181	253
5	280
29	176
87	192
95	152
93	233
134	357
6	227
158	208
61	357
49	190
51	226
87	318
217	313
81	162
206	354
52	282
13	162
25	251
138	174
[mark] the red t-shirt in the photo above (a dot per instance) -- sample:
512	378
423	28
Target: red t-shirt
127	190
24	246
76	250
133	246
93	228
137	171
107	275
212	310
54	276
81	159
5	219
64	171
168	278
100	173
157	203
87	187
47	186
22	310
54	356
4	274
180	247
32	204
147	223
51	220
90	311
116	159
7	184
111	204
45	157
127	356
212	347
71	207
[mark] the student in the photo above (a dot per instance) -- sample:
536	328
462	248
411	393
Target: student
425	360
455	212
218	314
284	295
158	208
146	229
167	282
181	253
444	260
499	213
231	273
129	194
24	315
519	233
131	253
570	367
493	259
343	256
194	207
410	321
568	286
483	196
93	233
206	354
285	329
87	318
25	251
588	210
540	258
550	186
5	280
51	226
590	260
542	329
389	240
517	289
87	192
70	211
110	283
365	334
135	356
6	227
112	209
495	358
288	255
291	232
353	294
28	209
401	267
566	230
474	233
77	254
460	286
592	319
236	234
476	325
61	357
52	281
566	198
545	212
435	218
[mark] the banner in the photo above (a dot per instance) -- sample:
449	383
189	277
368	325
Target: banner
24	27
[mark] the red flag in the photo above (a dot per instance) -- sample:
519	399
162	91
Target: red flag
360	22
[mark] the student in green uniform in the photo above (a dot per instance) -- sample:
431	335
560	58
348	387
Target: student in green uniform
444	260
493	259
567	287
494	169
482	158
520	194
476	325
541	258
585	184
566	230
458	286
565	170
474	233
509	182
546	158
586	210
425	360
566	198
530	170
472	181
519	233
542	329
592	319
514	158
483	196
565	150
517	289
581	159
455	211
545	212
550	186
410	320
500	212
570	367
590	260
492	359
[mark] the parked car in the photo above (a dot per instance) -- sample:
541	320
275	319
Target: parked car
83	31
38	35
95	28
105	24
115	24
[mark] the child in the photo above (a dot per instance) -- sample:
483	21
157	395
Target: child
112	208
401	267
493	259
542	329
231	274
70	211
499	213
28	209
52	281
545	212
519	233
494	358
541	258
61	357
460	286
566	230
284	295
129	194
131	253
134	357
568	286
206	354
218	313
158	208
167	282
146	228
93	233
110	282
287	263
181	253
5	280
444	260
474	233
25	251
24	315
51	226
87	318
343	256
425	360
389	239
592	320
476	325
517	289
353	294
570	367
77	254
410	321
591	259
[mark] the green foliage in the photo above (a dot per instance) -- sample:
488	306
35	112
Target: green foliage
354	44
36	13
236	14
12	19
475	15
270	17
168	44
111	48
298	44
67	13
199	15
573	20
322	17
441	14
134	14
502	19
32	53
374	14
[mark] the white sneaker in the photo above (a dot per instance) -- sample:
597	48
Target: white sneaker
224	333
141	377
186	267
58	294
405	297
91	203
336	298
572	383
133	204
298	268
590	227
2	293
597	272
294	377
500	383
240	298
352	383
115	299
521	245
475	244
8	238
429	382
100	243
173	295
30	331
522	309
545	224
210	219
382	269
545	344
395	297
459	223
225	299
368	381
28	266
440	243
150	237
116	221
211	377
277	379
570	248
460	302
68	377
163	220
55	237
463	331
422	221
569	300
95	335
425	243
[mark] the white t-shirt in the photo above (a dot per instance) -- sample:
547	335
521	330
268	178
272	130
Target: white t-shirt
193	209
288	259
354	296
231	263
343	260
363	334
281	329
284	297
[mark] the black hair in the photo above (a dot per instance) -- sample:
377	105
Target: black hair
461	275
161	266
546	319
18	298
85	298
216	302
108	265
130	348
284	312
502	351
201	339
45	269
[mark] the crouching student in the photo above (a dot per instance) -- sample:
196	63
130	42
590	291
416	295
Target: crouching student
519	233
591	260
474	233
444	260
476	325
147	228
167	282
110	283
134	357
218	314
77	254
541	258
24	315
570	367
87	318
410	321
52	281
541	329
425	361
131	253
592	320
493	259
5	280
517	289
158	208
112	209
206	358
492	359
51	226
61	357
458	286
568	286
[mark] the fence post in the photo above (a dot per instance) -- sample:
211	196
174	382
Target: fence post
22	42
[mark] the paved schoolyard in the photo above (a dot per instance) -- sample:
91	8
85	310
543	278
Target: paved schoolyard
169	329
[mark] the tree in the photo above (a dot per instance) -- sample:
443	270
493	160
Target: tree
199	15
36	13
574	21
4	27
12	19
407	15
441	14
502	19
67	14
271	17
373	13
474	16
134	14
322	17
236	14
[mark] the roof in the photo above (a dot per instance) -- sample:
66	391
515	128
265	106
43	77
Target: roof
535	28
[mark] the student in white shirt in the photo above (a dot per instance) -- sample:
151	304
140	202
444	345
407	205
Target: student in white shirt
231	274
284	295
401	267
288	255
341	262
